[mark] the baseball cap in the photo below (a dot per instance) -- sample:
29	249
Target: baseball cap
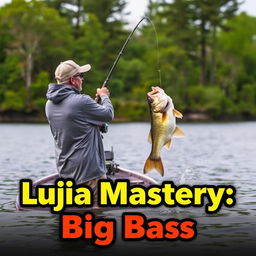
69	68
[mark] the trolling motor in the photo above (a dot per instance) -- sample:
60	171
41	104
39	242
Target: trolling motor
104	128
111	166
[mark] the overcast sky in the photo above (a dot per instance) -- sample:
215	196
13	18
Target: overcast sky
137	8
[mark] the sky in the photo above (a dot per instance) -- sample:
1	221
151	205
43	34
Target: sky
137	8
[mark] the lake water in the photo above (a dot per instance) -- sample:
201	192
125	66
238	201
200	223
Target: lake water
216	154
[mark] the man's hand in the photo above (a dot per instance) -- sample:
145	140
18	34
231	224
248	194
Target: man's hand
102	91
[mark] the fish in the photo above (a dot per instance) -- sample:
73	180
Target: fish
163	127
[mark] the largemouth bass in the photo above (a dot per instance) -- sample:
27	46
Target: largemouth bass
163	127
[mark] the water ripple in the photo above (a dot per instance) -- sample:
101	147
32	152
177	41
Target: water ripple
214	154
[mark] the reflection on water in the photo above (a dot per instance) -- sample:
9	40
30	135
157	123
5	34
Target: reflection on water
209	154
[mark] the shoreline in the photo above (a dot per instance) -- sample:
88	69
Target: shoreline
35	117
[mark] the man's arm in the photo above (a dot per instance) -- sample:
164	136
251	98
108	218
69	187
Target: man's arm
99	114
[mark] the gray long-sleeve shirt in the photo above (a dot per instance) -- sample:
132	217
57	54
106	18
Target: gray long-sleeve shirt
74	120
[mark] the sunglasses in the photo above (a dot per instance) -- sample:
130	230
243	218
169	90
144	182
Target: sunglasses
81	75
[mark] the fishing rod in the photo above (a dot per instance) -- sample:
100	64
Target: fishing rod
121	52
105	84
104	128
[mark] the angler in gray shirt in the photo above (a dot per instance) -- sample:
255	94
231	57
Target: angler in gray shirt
75	120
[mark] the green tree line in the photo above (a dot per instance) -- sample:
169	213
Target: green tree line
204	53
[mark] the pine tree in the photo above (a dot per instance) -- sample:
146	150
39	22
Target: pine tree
193	25
209	16
73	10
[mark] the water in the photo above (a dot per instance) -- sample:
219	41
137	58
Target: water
214	154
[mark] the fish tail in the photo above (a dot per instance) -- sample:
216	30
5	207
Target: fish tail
156	164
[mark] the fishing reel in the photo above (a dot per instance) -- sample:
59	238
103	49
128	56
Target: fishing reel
104	128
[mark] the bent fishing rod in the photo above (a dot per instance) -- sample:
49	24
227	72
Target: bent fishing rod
105	84
104	128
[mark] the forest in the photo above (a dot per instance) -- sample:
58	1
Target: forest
201	52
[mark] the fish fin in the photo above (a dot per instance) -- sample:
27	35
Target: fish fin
168	144
150	137
177	113
152	164
178	132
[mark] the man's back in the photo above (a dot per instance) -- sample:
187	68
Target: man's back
74	120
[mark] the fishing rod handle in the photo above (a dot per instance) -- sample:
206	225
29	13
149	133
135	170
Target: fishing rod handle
104	127
97	99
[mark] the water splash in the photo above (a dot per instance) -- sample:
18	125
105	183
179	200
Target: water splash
185	176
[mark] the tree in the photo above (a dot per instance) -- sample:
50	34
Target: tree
177	46
237	59
240	43
72	10
89	48
195	22
210	16
30	26
111	16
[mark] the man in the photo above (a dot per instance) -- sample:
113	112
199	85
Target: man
75	120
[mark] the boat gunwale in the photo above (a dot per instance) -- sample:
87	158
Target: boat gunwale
50	177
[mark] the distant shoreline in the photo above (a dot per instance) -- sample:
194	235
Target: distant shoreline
35	117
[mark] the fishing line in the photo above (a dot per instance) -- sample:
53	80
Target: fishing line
157	48
105	84
104	128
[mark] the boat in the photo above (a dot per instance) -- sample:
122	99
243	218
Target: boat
114	172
